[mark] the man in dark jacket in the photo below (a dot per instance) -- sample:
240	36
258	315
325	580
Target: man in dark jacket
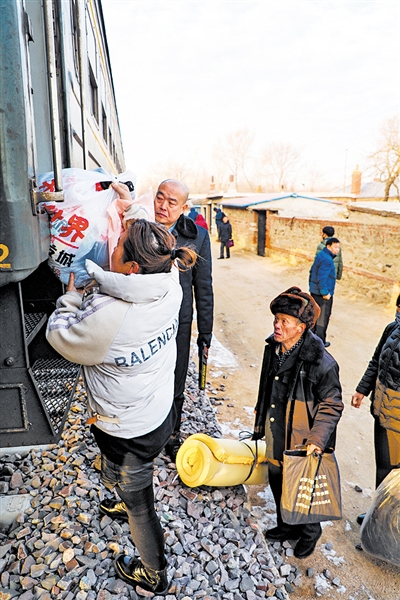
218	219
322	284
169	204
299	401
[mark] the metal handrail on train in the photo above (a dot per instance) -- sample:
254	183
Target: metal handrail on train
58	194
82	87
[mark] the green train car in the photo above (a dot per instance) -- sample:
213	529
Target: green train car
57	110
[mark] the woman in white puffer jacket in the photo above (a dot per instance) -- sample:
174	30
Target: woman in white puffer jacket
125	338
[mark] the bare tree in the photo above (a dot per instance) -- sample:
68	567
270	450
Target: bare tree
198	179
169	169
192	172
234	152
314	179
281	161
386	160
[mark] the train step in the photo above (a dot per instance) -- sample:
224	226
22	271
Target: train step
56	380
33	322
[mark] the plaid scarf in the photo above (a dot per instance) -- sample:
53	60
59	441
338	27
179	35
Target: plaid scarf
282	356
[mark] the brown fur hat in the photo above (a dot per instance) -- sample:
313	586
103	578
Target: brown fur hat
298	304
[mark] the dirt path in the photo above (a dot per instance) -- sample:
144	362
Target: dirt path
244	287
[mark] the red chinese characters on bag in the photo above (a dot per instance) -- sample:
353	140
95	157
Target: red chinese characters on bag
80	225
74	228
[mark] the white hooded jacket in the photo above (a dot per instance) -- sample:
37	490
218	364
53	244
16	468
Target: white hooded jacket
126	342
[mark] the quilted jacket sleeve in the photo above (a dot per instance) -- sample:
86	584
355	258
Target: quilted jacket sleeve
368	380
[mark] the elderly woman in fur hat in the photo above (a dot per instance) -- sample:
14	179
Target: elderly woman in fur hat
299	401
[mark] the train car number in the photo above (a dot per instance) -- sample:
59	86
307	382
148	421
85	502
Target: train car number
4	252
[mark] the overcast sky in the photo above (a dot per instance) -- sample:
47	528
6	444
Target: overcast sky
320	75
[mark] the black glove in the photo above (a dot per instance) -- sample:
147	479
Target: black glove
204	338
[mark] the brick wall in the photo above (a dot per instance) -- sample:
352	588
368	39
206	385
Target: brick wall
371	252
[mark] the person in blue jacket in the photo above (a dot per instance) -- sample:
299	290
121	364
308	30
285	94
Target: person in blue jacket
322	285
193	214
328	232
219	215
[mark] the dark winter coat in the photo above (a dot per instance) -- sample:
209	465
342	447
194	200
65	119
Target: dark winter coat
322	279
312	392
193	214
385	367
197	280
219	215
225	231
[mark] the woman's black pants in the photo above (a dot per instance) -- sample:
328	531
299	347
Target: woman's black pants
227	250
145	527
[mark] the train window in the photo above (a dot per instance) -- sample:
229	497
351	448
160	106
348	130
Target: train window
75	35
104	124
94	94
91	42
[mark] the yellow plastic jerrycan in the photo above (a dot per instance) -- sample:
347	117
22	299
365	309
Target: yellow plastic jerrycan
203	460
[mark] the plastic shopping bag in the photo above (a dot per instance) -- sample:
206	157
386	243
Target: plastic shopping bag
311	487
380	530
80	226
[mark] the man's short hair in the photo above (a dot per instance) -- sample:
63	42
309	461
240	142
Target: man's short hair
330	231
331	240
398	300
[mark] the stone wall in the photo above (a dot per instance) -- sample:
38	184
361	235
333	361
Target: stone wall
244	227
373	217
371	252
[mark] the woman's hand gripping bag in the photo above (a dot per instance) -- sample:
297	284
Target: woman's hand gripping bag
120	209
79	226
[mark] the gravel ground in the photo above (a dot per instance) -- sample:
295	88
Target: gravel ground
62	548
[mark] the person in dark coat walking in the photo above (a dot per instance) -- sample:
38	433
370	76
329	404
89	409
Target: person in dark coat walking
299	401
225	234
169	205
322	285
382	381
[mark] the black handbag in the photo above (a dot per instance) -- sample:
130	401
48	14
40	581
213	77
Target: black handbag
310	487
